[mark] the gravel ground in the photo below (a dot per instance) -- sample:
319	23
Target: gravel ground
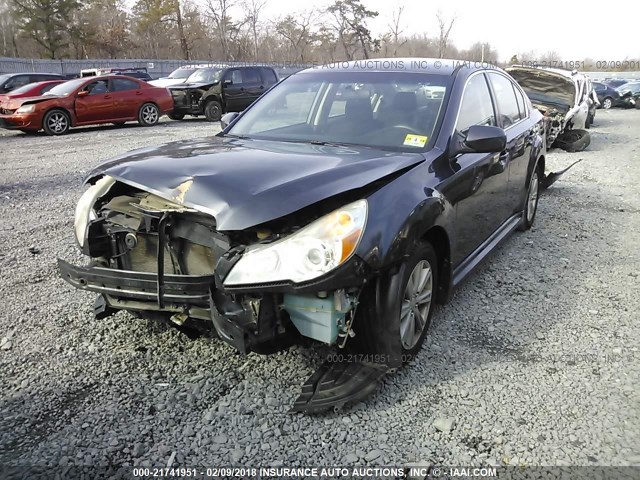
535	361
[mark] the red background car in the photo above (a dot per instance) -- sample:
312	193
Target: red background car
88	101
30	90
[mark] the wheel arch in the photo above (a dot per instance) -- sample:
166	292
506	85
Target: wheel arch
439	239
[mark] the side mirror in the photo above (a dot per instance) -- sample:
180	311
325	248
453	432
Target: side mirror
227	118
480	139
227	82
83	93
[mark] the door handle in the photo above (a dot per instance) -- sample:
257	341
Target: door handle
107	96
138	93
242	89
261	87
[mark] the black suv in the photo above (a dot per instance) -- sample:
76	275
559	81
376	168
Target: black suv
11	81
212	91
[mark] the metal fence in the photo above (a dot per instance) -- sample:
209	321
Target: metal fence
156	68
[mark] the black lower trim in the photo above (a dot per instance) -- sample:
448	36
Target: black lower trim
480	253
178	289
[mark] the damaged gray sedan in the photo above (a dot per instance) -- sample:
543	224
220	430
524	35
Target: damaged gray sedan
338	208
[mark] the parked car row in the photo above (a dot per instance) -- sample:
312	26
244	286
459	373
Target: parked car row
121	95
113	99
338	208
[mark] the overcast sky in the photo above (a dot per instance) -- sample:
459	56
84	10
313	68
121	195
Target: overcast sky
601	31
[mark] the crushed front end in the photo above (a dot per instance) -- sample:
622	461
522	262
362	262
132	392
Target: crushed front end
154	257
187	99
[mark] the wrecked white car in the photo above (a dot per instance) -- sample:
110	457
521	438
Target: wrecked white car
565	99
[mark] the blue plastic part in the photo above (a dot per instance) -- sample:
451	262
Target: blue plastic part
314	317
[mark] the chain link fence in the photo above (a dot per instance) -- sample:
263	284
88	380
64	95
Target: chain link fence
156	68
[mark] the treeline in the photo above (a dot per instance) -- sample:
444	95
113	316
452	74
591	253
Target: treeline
183	29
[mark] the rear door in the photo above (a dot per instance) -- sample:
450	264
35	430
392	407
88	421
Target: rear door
98	105
513	117
127	97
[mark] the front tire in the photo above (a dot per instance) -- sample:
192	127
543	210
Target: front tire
531	201
56	122
213	111
148	115
398	310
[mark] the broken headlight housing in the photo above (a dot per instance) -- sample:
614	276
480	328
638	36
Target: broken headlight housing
84	210
312	251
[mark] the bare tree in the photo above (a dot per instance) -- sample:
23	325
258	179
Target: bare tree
396	29
444	29
253	9
218	11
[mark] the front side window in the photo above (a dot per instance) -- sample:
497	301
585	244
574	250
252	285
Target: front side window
378	109
476	107
506	99
96	88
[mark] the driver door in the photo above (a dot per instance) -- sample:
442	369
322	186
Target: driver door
479	187
98	105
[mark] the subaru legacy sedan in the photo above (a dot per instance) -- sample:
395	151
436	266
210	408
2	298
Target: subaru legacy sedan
339	208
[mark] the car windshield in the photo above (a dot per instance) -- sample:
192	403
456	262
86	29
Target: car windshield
390	110
181	73
67	87
205	75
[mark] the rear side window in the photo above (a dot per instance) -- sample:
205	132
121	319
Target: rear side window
522	104
251	76
122	84
268	76
476	107
18	81
506	99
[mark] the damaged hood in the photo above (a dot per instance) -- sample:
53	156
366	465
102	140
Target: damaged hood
545	87
242	182
14	103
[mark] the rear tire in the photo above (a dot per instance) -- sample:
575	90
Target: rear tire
607	103
56	122
148	115
397	310
531	200
213	110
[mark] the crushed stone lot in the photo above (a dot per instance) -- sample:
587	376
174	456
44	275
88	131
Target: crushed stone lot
535	361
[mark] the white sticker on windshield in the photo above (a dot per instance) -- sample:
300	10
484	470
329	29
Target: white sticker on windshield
412	140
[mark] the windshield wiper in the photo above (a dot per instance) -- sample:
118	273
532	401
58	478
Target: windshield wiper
241	137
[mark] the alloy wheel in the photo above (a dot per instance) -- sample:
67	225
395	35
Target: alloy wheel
415	304
149	114
57	122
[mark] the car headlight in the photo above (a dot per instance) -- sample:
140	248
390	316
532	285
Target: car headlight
309	253
26	109
84	209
